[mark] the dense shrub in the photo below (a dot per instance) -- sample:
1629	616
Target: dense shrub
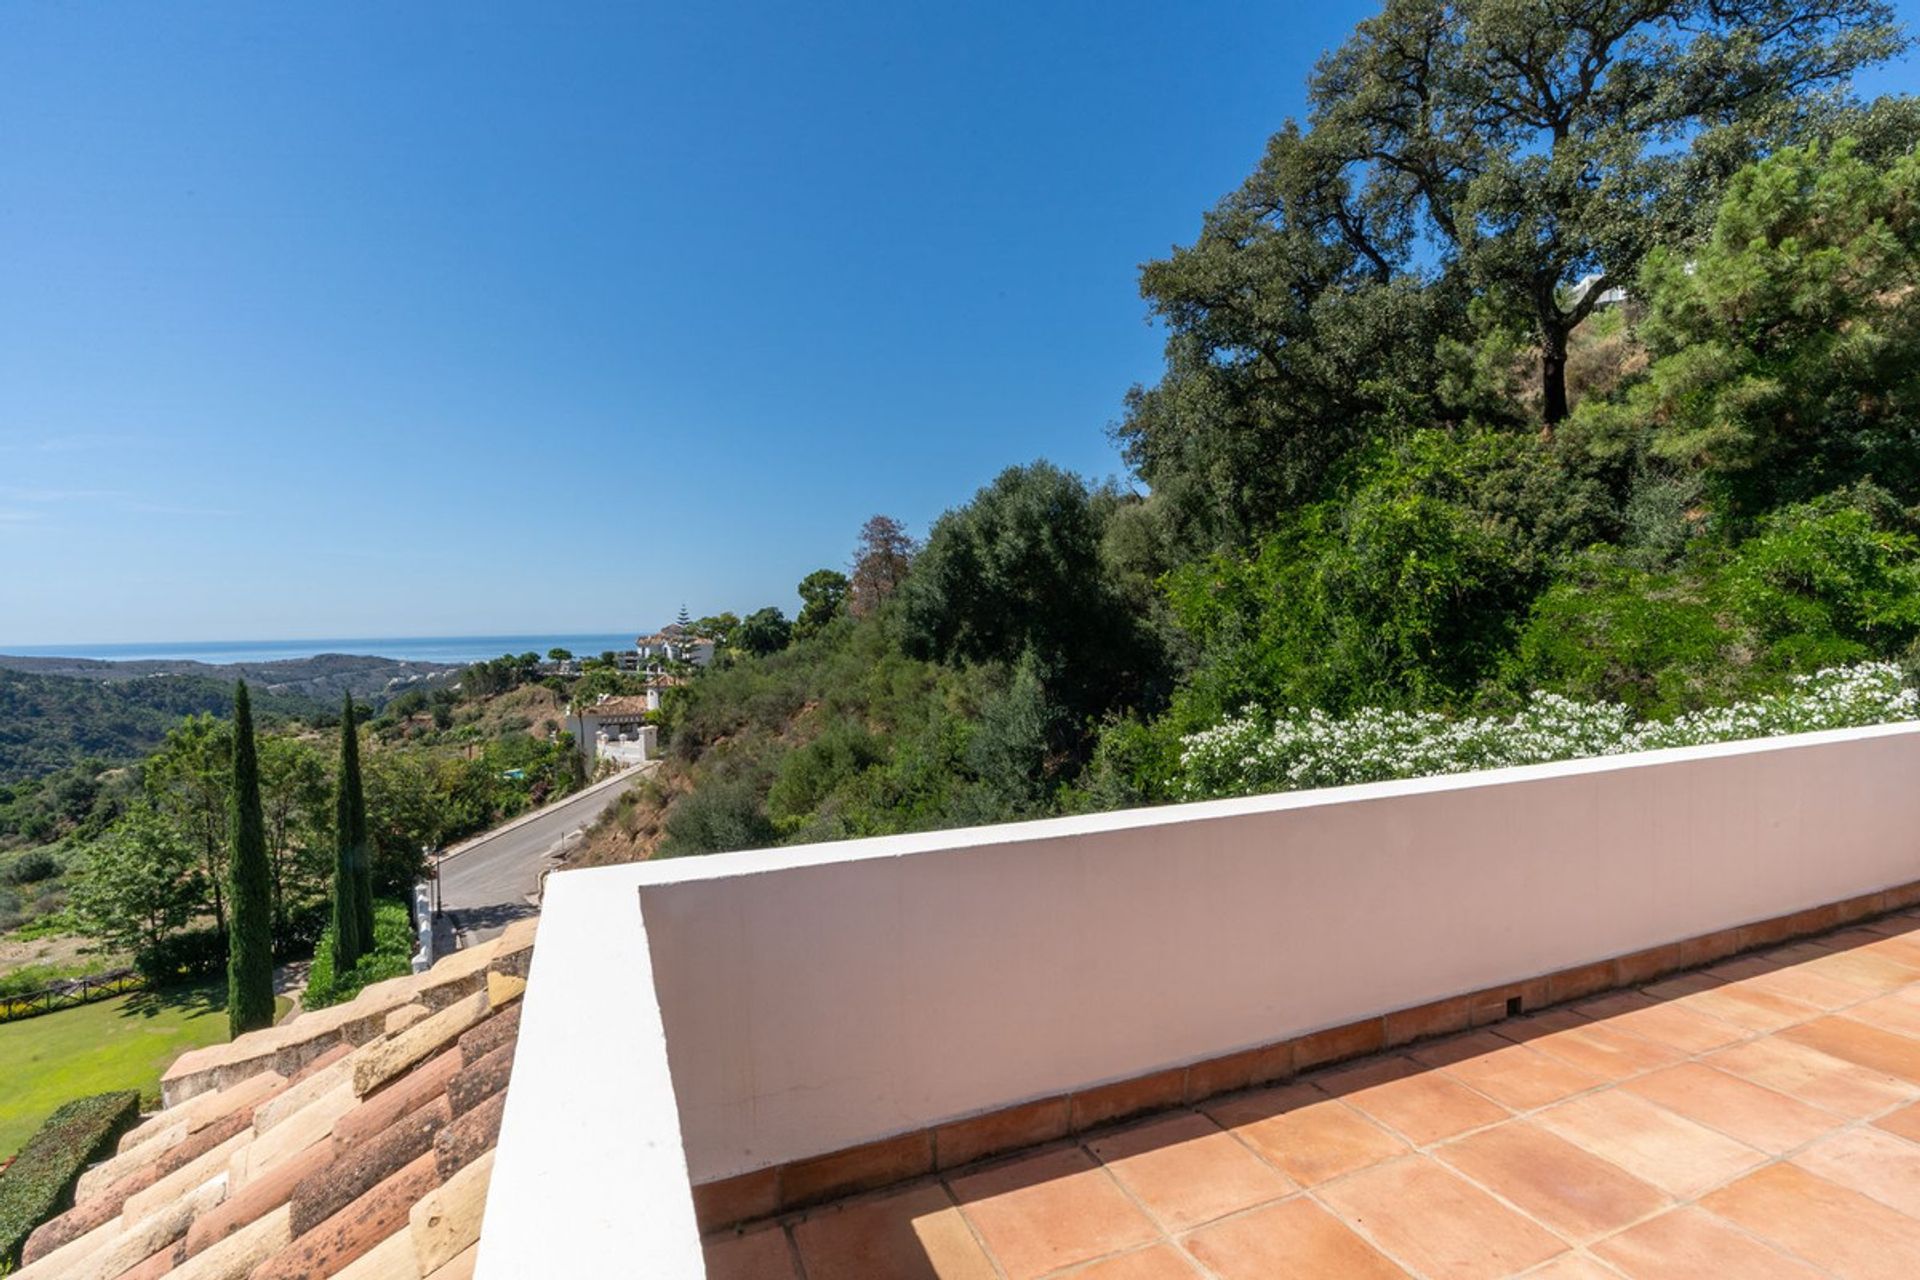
1831	581
1403	588
1819	584
1252	753
811	773
39	1184
391	957
300	932
186	956
31	867
719	817
1655	641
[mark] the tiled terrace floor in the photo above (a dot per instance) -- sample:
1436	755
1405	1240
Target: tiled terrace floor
1756	1120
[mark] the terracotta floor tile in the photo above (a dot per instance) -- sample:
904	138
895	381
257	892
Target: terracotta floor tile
1904	1122
1606	1052
1748	1007
761	1255
1739	1108
1306	1133
1801	950
1688	1244
1570	1189
1873	971
1366	1073
1438	1223
1535	1025
1898	1011
1903	947
1571	1266
1460	1048
1613	1004
1812	1076
1687	1088
1050	1210
1872	1162
1655	1145
1677	1026
1161	1262
1819	990
1843	1231
1293	1240
1514	1075
1852	936
1739	968
1188	1170
1421	1105
1867	1046
1682	984
916	1234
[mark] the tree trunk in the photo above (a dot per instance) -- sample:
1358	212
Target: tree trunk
1553	378
214	878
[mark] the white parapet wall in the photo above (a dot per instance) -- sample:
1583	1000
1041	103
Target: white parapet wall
422	926
814	998
590	1178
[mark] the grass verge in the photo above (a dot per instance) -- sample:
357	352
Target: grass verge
123	1043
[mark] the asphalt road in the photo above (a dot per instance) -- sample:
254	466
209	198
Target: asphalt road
487	885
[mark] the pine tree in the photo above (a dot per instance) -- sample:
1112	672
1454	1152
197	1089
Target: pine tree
353	866
249	885
685	619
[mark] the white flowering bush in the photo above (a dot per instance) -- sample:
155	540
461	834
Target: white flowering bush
1253	752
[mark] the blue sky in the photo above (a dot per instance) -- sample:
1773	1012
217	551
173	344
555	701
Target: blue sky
426	319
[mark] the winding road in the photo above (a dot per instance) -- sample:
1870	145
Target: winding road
490	881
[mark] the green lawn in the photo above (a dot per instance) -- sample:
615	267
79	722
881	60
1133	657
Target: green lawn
123	1043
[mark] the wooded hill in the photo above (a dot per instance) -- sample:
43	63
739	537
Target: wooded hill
1563	350
58	711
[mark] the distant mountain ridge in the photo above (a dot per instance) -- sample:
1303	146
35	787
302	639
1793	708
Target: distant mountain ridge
56	711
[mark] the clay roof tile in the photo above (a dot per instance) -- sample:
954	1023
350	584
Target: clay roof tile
316	1169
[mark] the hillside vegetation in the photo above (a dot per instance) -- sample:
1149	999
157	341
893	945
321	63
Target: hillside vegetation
50	722
56	712
133	858
1400	479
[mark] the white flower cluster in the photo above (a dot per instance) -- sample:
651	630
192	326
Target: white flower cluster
1253	753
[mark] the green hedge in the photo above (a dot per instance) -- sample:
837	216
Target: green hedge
392	956
190	955
39	1184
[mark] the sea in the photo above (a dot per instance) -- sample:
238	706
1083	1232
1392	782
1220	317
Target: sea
450	649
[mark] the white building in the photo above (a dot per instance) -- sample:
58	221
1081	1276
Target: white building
675	643
1612	296
616	728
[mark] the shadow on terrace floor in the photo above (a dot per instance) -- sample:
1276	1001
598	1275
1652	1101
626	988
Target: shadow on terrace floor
1759	1117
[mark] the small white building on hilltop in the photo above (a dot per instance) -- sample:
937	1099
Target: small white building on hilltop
616	728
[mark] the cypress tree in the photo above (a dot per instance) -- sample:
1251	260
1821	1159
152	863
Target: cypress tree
249	885
353	866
